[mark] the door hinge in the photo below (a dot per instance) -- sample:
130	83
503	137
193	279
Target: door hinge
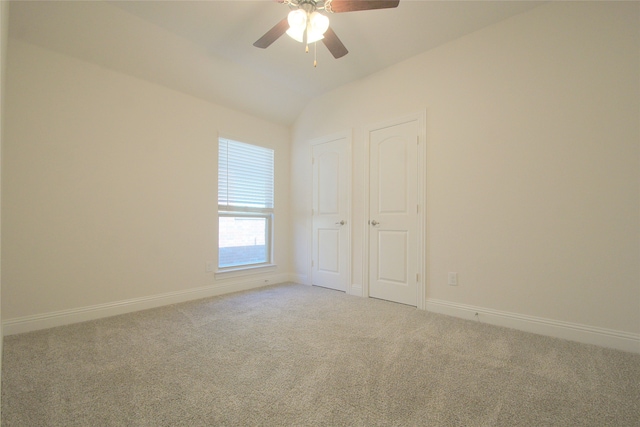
313	160
417	277
311	263
417	208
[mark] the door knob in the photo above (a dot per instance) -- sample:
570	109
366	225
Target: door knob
374	222
340	223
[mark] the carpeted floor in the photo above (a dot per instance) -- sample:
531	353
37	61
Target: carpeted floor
292	355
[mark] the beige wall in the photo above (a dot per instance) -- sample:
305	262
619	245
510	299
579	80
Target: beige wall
533	170
110	183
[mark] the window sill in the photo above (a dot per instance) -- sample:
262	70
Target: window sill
244	271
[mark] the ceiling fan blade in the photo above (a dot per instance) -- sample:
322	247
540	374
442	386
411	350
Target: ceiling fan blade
273	34
339	6
333	43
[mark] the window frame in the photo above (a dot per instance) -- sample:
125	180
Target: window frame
268	213
268	238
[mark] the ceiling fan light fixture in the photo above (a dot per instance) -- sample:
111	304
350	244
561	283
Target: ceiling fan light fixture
312	38
318	25
297	24
315	24
297	35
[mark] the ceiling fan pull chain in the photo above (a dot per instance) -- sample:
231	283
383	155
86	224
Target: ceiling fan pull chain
315	54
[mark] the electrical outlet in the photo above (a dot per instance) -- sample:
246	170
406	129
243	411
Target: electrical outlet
209	267
453	279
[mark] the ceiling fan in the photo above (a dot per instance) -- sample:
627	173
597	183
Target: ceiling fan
306	24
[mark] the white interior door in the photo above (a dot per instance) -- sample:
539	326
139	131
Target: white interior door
393	213
331	197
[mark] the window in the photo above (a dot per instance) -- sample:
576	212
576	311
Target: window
245	204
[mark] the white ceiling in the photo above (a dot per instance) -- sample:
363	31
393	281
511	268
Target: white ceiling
205	48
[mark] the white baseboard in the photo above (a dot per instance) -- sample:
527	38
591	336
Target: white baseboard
571	331
65	317
576	332
299	278
356	290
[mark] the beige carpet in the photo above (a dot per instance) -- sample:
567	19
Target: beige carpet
293	355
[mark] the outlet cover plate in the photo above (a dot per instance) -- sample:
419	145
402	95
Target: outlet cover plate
453	279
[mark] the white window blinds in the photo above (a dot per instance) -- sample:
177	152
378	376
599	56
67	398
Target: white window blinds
245	175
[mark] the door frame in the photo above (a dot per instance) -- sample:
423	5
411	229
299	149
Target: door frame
348	136
421	118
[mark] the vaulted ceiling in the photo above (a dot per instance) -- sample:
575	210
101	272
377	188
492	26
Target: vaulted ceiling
205	48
